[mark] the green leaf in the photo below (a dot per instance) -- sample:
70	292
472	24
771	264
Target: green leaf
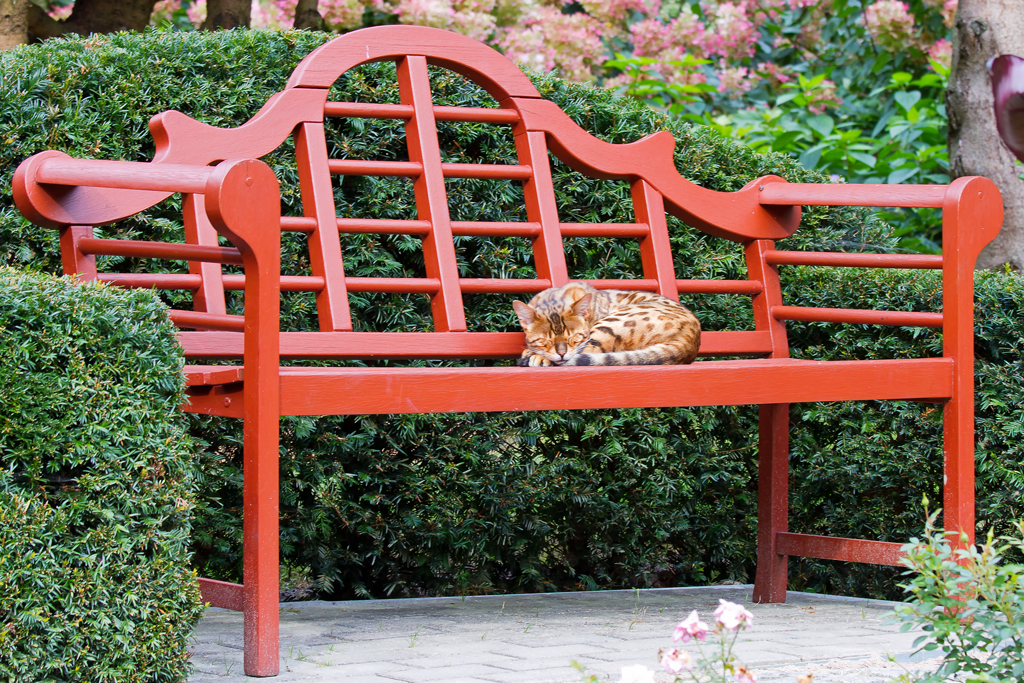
907	98
821	124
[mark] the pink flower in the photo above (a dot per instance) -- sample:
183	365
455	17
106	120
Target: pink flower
690	627
734	78
745	675
774	73
616	11
890	24
676	661
949	12
731	616
941	53
733	34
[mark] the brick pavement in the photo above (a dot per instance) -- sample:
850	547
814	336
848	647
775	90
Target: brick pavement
537	638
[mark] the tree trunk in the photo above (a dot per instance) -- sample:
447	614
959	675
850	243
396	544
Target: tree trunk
13	23
93	16
984	29
306	15
227	14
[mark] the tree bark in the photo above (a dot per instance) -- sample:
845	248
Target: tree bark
984	29
227	14
93	16
306	15
13	23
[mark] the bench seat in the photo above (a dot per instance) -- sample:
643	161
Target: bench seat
366	391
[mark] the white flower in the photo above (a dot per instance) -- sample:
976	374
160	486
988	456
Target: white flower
731	616
637	674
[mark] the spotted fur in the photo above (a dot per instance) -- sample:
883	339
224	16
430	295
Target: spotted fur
576	324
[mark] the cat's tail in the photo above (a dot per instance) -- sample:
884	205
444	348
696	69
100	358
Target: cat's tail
657	354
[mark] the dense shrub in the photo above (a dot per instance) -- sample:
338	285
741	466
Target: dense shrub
95	492
408	505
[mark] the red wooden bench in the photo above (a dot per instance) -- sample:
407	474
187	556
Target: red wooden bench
228	191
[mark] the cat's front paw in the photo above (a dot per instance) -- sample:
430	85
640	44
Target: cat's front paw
533	360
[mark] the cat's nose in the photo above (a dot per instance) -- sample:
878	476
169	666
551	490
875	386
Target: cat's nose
561	348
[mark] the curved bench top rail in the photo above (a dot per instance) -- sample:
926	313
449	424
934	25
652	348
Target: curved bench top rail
182	140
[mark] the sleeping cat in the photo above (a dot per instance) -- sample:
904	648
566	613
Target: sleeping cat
576	324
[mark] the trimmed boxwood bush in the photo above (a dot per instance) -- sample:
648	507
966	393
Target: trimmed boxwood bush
414	504
95	486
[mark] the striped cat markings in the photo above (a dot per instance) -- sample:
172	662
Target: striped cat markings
577	324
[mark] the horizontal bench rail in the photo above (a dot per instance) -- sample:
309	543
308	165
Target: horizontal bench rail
857	316
161	250
426	345
843	549
372	110
414	169
848	260
201	320
314	283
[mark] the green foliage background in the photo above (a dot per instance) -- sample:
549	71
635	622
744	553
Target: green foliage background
96	486
417	505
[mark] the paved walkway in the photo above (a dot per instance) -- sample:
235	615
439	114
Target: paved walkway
536	638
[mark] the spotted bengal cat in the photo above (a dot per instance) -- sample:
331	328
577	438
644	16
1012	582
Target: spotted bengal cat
576	324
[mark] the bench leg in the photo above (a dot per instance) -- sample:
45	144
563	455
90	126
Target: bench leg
958	467
772	502
260	551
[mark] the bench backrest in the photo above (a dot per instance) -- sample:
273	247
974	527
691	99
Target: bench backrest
538	126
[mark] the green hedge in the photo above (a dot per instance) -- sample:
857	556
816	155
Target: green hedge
414	505
96	495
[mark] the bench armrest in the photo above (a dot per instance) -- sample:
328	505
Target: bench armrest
243	202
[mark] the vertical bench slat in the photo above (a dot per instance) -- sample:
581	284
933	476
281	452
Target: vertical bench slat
209	297
82	266
539	194
773	436
324	243
655	249
431	197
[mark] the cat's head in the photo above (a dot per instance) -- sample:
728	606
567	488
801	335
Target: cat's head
556	330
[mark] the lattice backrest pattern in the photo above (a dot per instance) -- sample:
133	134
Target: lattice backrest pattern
538	126
433	221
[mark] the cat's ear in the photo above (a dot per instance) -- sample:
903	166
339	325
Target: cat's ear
582	306
525	314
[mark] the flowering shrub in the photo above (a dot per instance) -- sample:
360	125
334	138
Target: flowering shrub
717	666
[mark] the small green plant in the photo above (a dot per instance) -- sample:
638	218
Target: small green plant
969	602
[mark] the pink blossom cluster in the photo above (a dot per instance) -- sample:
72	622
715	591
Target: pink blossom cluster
732	34
890	24
941	52
548	39
613	13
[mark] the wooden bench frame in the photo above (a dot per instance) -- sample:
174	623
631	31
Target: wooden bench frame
228	191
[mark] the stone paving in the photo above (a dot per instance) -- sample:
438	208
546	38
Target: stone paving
537	638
